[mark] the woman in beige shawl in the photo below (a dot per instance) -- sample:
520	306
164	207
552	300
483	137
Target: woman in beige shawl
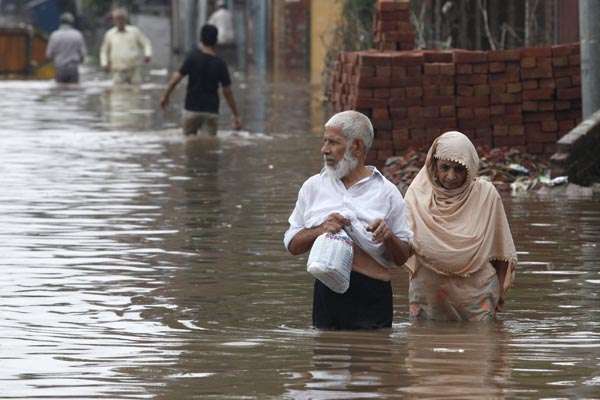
463	253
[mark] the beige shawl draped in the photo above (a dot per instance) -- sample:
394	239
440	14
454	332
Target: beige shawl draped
456	232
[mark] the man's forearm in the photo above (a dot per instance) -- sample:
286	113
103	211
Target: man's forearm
228	94
303	241
398	250
172	83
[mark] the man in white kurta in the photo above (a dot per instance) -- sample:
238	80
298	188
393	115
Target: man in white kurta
349	193
123	49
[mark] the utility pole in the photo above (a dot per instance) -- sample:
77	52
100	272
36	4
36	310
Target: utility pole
589	28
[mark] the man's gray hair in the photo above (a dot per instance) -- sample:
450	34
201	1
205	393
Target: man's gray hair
354	125
67	18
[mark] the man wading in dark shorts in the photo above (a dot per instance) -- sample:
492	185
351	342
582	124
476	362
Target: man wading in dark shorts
205	73
346	182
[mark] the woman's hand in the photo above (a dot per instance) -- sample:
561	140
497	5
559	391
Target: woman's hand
501	268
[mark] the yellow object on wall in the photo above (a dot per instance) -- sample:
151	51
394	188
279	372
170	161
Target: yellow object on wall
44	71
324	17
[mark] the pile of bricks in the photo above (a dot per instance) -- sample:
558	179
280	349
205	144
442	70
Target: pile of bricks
506	91
437	113
473	95
526	98
392	27
539	88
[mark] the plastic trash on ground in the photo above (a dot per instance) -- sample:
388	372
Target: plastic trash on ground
357	231
518	169
330	260
559	180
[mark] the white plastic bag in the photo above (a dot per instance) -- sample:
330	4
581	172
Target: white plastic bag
330	260
357	231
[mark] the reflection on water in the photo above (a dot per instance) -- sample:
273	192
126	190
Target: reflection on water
138	264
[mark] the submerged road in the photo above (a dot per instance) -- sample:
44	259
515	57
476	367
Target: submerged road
137	264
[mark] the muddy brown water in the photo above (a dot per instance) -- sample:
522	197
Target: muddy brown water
136	264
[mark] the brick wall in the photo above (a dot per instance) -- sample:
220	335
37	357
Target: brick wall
527	97
291	34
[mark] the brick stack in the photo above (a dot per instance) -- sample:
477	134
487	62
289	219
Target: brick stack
374	71
526	98
438	112
473	95
341	83
566	71
362	81
393	29
506	98
539	120
406	99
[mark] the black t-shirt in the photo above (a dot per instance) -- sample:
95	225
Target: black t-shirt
205	72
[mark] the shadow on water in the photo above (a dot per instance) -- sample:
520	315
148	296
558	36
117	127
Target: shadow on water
139	264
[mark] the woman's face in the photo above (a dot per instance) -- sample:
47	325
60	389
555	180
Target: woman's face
450	174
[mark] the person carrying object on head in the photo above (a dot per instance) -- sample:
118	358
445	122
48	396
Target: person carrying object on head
66	48
349	195
222	18
123	49
206	72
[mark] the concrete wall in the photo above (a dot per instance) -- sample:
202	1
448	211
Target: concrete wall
578	151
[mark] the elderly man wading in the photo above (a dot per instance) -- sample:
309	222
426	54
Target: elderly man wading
122	50
344	193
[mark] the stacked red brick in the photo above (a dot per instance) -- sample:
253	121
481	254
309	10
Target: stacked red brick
343	82
363	82
473	95
506	98
539	120
566	70
374	81
392	27
406	100
438	111
519	98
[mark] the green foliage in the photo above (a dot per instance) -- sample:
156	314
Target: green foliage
355	32
356	29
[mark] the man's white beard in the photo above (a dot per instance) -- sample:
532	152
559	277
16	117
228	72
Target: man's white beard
343	167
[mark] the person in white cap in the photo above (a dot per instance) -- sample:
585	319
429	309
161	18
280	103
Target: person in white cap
222	18
123	48
66	48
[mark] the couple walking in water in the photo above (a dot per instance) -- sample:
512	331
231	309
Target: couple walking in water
450	231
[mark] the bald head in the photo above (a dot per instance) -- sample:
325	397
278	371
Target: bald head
119	16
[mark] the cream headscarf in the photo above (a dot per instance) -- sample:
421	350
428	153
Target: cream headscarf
458	231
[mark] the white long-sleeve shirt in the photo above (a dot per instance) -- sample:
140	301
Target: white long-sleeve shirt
371	198
124	49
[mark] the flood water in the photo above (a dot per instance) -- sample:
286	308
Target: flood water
136	264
